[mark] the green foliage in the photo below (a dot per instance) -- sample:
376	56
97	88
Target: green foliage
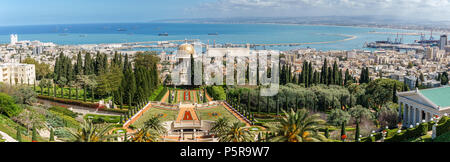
443	126
337	117
34	134
63	110
407	134
380	91
216	92
70	101
8	106
42	69
96	119
56	119
158	93
52	135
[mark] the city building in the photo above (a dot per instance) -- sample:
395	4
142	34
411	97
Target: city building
14	39
17	73
410	81
421	105
443	42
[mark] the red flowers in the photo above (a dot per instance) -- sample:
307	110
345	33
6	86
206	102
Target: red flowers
344	137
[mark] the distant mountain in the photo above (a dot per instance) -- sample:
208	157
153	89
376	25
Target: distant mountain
369	21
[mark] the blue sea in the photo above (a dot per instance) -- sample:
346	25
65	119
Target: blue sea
69	34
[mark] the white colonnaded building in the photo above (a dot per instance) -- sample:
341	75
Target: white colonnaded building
422	105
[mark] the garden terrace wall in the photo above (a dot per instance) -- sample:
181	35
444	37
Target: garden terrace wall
70	101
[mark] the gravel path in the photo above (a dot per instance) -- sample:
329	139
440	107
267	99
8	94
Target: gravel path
7	137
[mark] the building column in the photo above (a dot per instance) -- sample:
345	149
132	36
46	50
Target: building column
406	116
182	134
416	120
411	116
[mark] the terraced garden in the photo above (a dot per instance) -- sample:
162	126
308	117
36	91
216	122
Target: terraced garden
216	112
164	114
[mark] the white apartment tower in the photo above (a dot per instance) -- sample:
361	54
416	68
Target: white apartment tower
14	39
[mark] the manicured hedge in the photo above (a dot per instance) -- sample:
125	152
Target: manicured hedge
116	110
410	133
81	103
102	118
216	92
70	101
443	127
161	92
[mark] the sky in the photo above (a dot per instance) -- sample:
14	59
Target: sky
33	12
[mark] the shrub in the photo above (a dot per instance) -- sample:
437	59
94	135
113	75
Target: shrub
102	118
443	127
217	92
8	106
368	139
63	110
158	94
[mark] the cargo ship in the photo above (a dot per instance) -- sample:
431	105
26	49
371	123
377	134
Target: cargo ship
163	34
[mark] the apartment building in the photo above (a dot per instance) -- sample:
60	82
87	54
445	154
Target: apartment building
17	73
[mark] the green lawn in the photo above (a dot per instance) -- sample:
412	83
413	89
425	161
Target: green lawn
208	114
166	115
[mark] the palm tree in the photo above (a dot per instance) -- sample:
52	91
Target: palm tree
90	132
236	133
151	132
299	127
220	126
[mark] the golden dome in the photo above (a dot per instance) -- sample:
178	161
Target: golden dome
186	48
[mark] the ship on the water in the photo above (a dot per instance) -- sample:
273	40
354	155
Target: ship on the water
213	33
121	29
163	34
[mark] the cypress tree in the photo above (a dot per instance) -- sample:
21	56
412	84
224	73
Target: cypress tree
92	94
248	102
52	135
417	82
286	103
357	132
18	134
342	129
259	106
278	105
34	134
84	93
394	94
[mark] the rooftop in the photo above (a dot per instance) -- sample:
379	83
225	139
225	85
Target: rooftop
439	96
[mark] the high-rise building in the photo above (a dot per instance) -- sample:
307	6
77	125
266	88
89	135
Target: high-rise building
443	42
14	39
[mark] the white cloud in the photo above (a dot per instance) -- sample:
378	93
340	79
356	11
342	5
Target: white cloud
430	9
